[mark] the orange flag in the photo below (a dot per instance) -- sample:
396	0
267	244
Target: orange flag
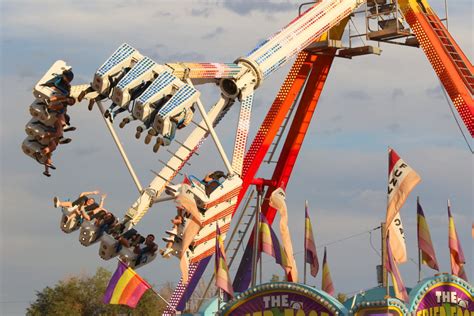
221	269
327	284
425	245
455	250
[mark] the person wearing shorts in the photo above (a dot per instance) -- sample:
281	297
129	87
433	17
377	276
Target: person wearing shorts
83	206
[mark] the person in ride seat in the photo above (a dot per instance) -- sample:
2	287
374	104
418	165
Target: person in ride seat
59	103
106	223
173	234
61	82
113	111
150	247
177	122
129	239
113	82
212	181
117	230
83	206
57	131
55	137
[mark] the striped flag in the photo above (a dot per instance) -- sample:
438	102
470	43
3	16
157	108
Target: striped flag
425	244
401	180
391	265
221	270
326	283
311	257
270	245
455	250
125	287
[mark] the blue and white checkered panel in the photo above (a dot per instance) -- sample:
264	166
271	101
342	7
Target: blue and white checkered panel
139	69
117	57
157	86
184	94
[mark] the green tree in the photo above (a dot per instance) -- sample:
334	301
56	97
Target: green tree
82	295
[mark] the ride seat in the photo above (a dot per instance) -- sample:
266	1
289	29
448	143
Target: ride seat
72	224
38	111
31	147
43	93
108	247
89	233
36	128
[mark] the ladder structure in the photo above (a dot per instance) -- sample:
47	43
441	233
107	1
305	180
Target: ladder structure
452	67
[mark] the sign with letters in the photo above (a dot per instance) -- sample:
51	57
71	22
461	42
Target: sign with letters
288	299
446	299
443	295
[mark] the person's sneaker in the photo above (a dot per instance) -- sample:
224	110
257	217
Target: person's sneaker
148	138
172	232
51	166
168	239
56	202
65	141
158	144
47	174
167	252
69	129
81	96
91	104
138	133
124	122
111	117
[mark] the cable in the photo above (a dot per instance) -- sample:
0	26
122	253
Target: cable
349	237
322	245
372	245
455	117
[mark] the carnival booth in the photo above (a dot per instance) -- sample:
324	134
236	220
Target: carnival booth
283	298
375	302
443	294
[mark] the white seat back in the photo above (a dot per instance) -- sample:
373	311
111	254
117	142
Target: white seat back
123	57
141	71
43	93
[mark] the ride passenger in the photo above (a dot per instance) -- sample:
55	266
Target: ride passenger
106	222
61	82
173	234
179	121
59	103
150	248
212	181
83	206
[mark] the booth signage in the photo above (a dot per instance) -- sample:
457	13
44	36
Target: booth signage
279	302
446	299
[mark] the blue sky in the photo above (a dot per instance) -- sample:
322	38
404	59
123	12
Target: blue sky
369	103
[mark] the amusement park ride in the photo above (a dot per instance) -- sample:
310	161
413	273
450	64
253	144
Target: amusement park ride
163	99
